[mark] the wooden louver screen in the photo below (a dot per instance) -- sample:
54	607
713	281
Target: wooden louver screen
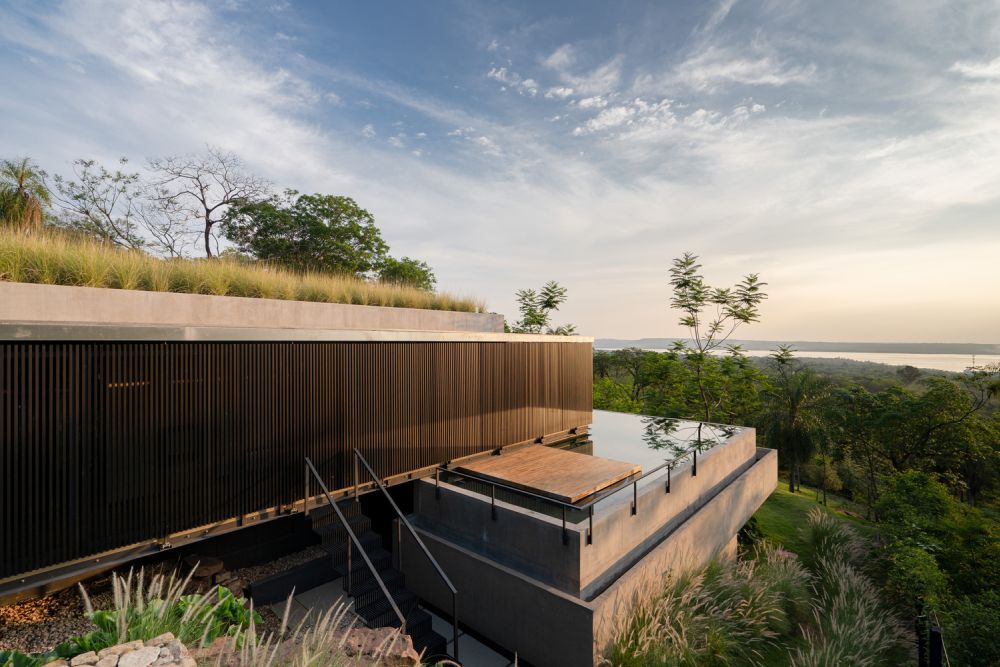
105	444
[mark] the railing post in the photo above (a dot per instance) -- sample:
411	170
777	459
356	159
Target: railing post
350	569
454	624
635	497
305	498
493	501
590	529
669	468
694	467
437	483
356	493
565	532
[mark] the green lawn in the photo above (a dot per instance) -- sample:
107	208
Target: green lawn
783	513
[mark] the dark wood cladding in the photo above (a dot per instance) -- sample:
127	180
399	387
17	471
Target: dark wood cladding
107	444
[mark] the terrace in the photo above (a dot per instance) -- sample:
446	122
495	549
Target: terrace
511	534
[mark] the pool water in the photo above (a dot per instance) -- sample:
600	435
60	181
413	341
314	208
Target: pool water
650	441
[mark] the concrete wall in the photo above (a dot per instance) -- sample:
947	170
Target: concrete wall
620	538
549	627
23	302
532	542
543	625
707	533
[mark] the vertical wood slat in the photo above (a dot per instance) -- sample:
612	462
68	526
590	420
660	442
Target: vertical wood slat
104	444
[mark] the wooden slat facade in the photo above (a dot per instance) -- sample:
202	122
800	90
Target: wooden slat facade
106	444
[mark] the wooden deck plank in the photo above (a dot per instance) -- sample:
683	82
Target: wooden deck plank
556	473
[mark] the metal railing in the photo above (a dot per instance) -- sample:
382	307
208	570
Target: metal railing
565	507
352	540
416	538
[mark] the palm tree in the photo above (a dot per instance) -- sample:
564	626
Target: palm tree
23	195
792	418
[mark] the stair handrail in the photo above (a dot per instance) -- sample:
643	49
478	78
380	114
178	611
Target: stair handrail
423	547
354	538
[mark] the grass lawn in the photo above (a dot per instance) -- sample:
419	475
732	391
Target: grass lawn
782	514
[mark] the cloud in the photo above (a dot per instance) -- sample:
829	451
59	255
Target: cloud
678	157
714	67
596	102
514	80
558	92
978	70
560	59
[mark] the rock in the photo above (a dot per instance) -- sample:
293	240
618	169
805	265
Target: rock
108	661
144	657
386	644
220	652
88	658
118	649
160	640
208	566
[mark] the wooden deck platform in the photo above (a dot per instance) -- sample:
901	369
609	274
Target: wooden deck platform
556	473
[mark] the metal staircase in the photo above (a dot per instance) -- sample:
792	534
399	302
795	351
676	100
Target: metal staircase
379	591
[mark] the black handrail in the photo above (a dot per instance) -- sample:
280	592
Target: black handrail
423	547
587	506
357	543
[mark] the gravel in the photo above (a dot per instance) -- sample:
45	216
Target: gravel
39	625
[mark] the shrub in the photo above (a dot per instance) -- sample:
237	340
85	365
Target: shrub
971	629
721	614
850	624
825	536
59	258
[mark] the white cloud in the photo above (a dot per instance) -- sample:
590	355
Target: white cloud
398	140
514	80
978	70
559	92
560	59
368	131
596	102
714	67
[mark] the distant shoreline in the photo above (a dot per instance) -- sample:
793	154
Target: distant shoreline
817	346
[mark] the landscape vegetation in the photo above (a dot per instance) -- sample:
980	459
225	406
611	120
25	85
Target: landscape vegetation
885	526
118	229
887	515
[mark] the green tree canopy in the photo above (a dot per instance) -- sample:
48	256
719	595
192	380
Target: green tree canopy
315	232
536	310
23	194
407	271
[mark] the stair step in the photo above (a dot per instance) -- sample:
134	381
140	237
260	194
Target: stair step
431	646
330	529
380	558
368	591
380	614
338	550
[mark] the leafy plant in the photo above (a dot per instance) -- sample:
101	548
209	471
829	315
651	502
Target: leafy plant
536	309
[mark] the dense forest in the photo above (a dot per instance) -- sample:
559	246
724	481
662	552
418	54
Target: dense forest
916	453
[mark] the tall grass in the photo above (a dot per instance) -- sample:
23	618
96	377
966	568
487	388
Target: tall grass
851	624
722	614
56	258
771	608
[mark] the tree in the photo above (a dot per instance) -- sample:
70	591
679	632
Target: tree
113	208
792	418
199	189
734	306
308	233
407	271
536	309
23	194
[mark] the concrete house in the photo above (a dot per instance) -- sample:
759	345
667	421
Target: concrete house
444	465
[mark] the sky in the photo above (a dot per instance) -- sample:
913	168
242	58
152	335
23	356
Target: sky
848	152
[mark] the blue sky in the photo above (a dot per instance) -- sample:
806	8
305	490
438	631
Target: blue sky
849	152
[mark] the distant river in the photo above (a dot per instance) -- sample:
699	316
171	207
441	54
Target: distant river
941	362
